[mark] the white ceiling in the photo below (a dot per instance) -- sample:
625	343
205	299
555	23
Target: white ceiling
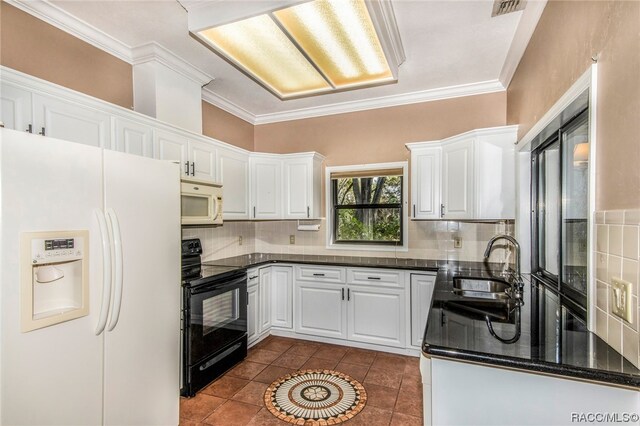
447	44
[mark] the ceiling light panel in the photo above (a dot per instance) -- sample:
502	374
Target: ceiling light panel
259	47
340	38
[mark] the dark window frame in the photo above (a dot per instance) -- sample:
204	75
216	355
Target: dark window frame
335	207
572	299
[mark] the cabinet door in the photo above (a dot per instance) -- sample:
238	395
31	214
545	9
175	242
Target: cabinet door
457	180
298	188
421	293
233	173
202	156
376	315
253	312
15	107
425	183
266	188
264	319
282	296
171	146
132	137
320	309
71	122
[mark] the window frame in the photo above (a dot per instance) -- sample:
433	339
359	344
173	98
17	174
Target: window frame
575	301
331	211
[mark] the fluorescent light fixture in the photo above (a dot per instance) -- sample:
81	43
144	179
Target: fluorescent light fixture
306	49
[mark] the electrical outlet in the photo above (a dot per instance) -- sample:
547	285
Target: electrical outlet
457	242
292	239
621	299
239	240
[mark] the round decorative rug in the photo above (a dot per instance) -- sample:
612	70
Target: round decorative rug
315	397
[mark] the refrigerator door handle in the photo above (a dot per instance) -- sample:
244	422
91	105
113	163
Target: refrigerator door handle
117	249
106	271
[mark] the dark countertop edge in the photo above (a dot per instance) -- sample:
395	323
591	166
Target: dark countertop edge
259	263
585	374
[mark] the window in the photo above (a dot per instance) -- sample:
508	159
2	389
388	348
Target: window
367	206
561	211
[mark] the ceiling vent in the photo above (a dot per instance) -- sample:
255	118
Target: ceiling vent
502	7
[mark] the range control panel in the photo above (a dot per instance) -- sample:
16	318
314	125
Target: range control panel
56	250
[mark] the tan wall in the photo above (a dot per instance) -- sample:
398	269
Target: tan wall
34	47
568	34
379	135
219	124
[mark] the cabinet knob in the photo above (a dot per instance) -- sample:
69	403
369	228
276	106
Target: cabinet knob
441	210
193	168
29	128
308	212
186	165
42	132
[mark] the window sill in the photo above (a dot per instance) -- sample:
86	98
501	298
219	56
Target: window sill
367	247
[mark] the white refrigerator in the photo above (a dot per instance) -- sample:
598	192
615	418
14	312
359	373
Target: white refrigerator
119	363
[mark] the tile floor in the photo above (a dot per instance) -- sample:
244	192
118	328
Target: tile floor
392	382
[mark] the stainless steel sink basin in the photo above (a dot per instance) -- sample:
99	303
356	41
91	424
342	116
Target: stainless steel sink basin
481	288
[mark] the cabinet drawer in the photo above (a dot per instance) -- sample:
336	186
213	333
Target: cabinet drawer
385	277
327	274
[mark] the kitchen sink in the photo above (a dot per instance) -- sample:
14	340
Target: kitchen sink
481	288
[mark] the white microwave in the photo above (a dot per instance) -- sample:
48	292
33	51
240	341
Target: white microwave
201	202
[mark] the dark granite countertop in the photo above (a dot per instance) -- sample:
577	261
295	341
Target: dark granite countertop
552	340
257	259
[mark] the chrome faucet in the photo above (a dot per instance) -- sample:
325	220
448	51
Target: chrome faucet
519	284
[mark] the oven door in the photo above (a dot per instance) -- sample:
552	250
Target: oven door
217	316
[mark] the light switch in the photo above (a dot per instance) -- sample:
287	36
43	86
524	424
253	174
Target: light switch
621	299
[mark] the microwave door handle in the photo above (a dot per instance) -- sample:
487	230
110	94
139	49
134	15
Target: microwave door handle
215	208
118	272
106	271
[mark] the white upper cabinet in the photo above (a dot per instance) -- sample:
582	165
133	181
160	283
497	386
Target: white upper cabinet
469	176
302	186
202	158
495	175
425	182
132	137
266	187
457	180
16	108
172	146
68	121
233	174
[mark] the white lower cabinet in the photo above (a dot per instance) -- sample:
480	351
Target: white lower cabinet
281	296
376	315
264	317
422	287
253	299
369	306
320	309
269	300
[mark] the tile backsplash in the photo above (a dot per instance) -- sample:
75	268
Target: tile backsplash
427	240
616	256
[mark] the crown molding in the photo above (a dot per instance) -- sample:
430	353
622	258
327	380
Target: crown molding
527	25
384	102
223	103
384	18
68	23
153	51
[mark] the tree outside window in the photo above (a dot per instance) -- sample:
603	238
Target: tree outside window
368	209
